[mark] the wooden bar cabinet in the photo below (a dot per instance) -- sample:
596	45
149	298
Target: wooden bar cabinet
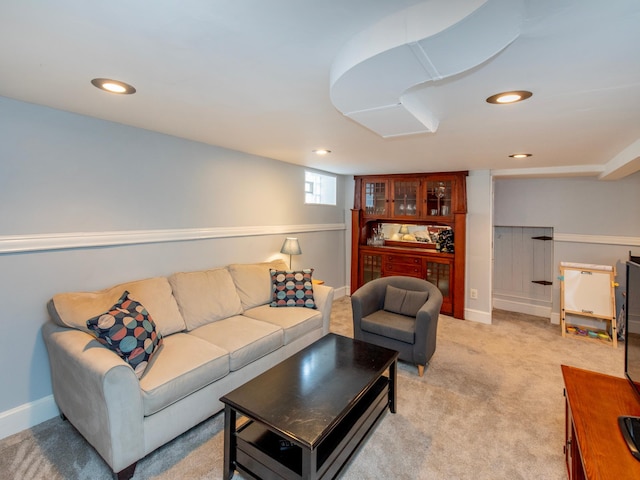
425	202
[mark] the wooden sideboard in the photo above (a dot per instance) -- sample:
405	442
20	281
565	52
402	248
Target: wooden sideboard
594	446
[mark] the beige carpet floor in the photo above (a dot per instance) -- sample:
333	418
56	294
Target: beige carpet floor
489	406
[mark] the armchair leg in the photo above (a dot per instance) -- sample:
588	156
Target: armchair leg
420	370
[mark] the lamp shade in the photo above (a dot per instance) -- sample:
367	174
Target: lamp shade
291	247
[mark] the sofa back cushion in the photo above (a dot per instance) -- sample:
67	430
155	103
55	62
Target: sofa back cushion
253	281
205	296
75	308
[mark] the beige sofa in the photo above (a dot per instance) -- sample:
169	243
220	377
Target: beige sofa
218	330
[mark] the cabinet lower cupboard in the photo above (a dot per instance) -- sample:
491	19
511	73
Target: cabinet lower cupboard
438	271
395	221
376	262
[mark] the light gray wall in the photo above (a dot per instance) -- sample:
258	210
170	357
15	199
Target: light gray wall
582	205
66	173
576	207
478	254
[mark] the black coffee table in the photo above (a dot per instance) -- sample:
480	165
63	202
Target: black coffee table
309	414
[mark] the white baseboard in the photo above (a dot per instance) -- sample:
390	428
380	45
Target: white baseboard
477	316
27	415
555	318
340	292
520	307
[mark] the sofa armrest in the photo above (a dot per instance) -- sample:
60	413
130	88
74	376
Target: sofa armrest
323	296
99	394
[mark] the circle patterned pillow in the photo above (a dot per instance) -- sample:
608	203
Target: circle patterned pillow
128	330
292	288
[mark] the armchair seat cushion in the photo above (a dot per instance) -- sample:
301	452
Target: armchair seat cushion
390	325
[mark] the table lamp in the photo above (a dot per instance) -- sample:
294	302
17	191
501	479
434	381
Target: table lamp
291	247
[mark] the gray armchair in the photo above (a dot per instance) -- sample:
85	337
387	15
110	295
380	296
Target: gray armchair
403	317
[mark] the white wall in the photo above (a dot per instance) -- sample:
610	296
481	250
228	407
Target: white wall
479	237
593	221
62	173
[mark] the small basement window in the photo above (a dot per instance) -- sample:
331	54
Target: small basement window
319	188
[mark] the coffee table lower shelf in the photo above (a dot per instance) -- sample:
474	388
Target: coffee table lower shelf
259	452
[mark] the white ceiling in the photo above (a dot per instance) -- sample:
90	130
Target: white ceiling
259	76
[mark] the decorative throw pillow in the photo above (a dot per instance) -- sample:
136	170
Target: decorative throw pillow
404	302
292	288
128	329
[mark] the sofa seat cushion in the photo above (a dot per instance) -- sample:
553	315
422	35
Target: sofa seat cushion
205	296
296	322
390	325
184	365
246	339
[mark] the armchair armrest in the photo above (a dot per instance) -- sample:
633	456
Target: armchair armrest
364	301
99	394
427	326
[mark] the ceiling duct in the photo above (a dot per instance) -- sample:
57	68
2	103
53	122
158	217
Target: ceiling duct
428	42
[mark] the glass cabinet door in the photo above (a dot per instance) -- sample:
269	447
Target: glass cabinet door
405	198
439	273
375	197
438	199
371	266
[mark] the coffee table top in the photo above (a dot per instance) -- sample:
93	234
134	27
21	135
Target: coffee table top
306	395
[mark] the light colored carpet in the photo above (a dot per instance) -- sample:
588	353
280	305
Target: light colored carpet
489	406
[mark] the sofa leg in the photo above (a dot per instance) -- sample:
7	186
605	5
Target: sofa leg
126	473
420	370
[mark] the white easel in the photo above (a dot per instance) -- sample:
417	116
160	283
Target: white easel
588	291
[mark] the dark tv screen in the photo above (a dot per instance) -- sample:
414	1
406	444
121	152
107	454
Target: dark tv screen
630	425
632	324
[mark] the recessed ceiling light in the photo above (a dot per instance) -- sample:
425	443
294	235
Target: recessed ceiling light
321	151
509	97
113	86
520	155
